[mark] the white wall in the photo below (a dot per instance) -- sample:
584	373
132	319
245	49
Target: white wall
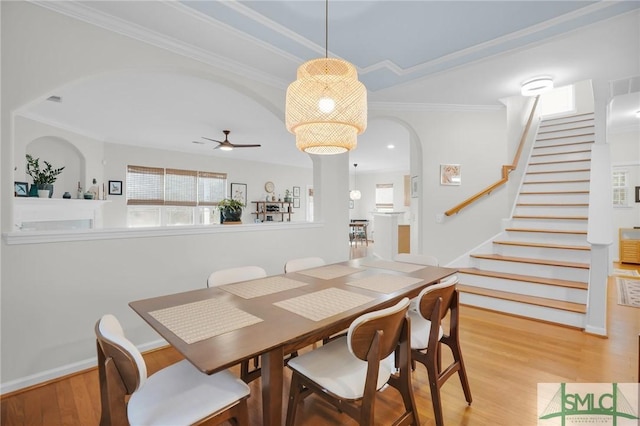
625	155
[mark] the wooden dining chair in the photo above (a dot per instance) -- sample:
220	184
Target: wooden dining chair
303	263
176	395
236	275
348	371
428	337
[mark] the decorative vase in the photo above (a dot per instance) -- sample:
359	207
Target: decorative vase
231	215
66	195
47	187
43	193
33	191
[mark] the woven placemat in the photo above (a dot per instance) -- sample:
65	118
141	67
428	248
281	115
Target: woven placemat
262	287
385	283
330	272
393	266
324	303
201	320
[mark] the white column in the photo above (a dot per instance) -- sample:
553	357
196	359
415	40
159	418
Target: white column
386	242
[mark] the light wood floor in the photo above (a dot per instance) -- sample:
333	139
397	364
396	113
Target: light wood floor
506	357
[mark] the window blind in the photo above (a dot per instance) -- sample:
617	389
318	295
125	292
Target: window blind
384	196
211	188
181	187
145	185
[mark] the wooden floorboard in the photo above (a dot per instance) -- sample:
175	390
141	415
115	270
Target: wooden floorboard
506	357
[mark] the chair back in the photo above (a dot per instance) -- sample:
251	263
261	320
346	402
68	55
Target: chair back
429	296
113	345
364	329
234	275
420	259
302	263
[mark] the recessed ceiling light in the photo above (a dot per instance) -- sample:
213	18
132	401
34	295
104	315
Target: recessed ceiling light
391	146
536	86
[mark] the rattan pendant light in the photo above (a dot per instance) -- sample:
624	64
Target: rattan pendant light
326	107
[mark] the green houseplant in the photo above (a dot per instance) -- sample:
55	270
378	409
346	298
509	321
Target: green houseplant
231	210
42	178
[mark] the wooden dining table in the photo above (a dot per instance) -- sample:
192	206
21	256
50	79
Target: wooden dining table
217	328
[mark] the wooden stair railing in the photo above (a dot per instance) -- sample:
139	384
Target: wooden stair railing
506	169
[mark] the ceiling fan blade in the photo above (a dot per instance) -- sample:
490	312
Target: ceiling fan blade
212	140
246	146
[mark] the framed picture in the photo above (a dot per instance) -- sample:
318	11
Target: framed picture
450	174
351	204
414	186
296	203
296	191
21	189
115	187
637	194
239	192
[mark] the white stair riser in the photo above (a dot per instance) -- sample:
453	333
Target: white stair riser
536	270
569	225
548	148
549	127
561	156
555	186
565	255
577	175
554	198
551	210
571	141
522	309
567	119
544	237
554	167
527	288
545	133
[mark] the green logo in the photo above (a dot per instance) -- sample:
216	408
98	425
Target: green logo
588	403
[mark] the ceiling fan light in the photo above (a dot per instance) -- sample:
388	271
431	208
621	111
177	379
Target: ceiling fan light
536	86
225	148
318	128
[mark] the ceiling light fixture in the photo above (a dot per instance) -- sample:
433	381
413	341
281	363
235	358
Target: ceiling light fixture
391	146
326	107
536	86
355	194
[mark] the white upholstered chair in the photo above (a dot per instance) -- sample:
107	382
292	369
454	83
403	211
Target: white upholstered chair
176	395
302	263
348	371
428	337
235	275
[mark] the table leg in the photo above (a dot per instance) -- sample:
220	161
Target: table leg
272	386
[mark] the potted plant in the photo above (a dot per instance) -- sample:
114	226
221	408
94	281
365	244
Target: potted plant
231	210
42	179
287	196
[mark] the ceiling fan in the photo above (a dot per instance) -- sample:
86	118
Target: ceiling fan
225	145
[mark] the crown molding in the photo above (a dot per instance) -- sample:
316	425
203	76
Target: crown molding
407	106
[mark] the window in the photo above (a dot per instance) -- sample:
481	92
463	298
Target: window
170	197
557	101
620	181
384	196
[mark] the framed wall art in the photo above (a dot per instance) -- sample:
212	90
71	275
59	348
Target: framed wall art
115	187
296	191
239	192
20	189
414	186
450	174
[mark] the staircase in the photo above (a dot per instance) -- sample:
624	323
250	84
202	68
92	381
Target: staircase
538	267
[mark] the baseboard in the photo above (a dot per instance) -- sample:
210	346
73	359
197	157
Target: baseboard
597	331
64	370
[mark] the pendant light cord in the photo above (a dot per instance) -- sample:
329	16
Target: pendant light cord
326	29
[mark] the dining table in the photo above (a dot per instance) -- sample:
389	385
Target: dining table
218	328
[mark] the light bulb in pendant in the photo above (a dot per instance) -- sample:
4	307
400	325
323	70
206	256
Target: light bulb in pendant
326	104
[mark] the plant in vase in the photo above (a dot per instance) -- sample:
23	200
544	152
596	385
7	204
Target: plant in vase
42	179
231	210
287	196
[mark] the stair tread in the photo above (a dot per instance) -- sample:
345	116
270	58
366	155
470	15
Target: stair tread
532	300
553	192
565	137
560	144
548	231
565	130
550	217
577	265
584	115
561	153
543	163
542	245
558	171
552	204
527	278
556	181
